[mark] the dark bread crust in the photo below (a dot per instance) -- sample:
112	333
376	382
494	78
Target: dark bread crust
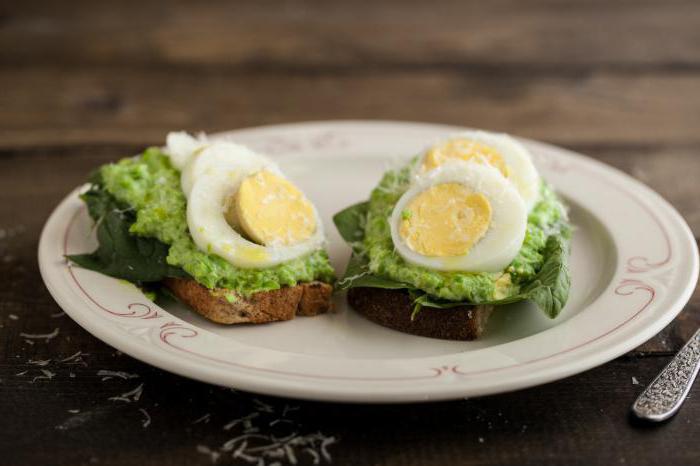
307	299
393	308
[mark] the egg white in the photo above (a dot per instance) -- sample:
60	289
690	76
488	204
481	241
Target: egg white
180	146
235	160
214	177
522	171
505	234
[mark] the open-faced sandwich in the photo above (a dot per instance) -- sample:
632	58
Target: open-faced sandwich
465	226
217	225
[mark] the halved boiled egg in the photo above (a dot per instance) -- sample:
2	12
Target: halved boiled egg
252	218
460	216
501	151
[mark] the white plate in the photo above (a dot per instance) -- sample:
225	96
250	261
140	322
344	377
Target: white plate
634	265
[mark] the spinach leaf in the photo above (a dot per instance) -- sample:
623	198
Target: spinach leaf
121	254
357	274
550	287
350	223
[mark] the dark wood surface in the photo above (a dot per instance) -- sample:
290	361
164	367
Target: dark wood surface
88	82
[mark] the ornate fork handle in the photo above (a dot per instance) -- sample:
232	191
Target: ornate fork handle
665	395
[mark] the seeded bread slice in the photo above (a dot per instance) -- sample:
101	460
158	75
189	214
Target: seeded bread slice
393	308
306	299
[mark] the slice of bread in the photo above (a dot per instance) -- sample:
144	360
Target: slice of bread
393	308
306	299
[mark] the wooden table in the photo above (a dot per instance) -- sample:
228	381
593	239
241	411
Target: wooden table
83	83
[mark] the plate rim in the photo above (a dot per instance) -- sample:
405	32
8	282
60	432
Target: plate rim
289	389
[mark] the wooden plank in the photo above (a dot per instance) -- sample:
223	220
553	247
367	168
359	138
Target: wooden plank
43	106
556	35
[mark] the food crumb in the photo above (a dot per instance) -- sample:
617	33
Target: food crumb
39	362
47	374
147	418
205	450
107	375
204	419
635	381
40	336
131	396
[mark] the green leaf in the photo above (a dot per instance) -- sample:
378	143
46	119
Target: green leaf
350	222
550	288
351	225
121	254
357	274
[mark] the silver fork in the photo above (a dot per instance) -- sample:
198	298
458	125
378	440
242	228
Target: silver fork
666	393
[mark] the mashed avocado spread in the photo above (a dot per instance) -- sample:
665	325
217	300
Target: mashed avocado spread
150	187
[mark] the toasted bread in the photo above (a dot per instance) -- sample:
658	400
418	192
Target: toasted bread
393	308
306	299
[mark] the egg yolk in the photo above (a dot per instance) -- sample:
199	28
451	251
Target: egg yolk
445	220
464	149
271	211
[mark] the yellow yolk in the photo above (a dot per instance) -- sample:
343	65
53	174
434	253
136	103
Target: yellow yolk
503	285
464	149
445	220
271	210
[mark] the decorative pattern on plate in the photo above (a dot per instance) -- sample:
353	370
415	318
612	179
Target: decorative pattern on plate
176	328
627	287
133	310
290	143
554	164
641	264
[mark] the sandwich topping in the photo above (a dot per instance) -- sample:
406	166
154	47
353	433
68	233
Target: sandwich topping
467	221
445	220
500	151
462	148
461	216
271	210
150	198
242	208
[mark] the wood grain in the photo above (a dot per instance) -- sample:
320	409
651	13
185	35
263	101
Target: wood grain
550	36
48	105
